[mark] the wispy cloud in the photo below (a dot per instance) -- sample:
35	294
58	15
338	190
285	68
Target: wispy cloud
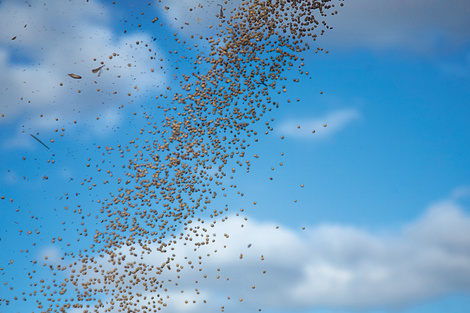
335	122
195	17
459	68
460	192
50	254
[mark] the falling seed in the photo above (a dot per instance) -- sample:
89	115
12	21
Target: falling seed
97	70
177	160
75	76
221	14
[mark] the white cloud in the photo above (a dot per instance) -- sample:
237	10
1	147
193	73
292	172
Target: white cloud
325	266
338	266
422	26
335	120
63	37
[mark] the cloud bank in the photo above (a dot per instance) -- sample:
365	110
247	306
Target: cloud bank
420	26
56	38
323	266
335	122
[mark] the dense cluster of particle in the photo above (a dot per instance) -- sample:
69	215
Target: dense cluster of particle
200	135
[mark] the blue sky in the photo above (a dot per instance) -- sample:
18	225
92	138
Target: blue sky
386	189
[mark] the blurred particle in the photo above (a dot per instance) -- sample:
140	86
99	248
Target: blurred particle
39	141
75	76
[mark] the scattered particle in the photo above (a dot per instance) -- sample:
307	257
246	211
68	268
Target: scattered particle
39	141
75	76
